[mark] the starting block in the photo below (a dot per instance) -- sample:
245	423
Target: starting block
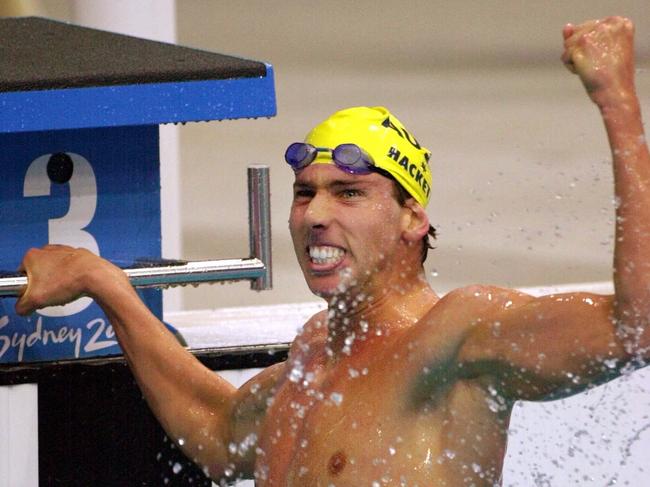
79	128
79	116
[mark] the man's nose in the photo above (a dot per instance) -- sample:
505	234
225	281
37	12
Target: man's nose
319	211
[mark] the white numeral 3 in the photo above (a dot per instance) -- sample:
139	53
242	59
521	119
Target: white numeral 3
69	229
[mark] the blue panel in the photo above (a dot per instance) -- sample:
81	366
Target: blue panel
112	201
144	104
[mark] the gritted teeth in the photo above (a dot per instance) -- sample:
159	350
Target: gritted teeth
324	254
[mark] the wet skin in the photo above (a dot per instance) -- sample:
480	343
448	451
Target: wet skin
390	412
423	403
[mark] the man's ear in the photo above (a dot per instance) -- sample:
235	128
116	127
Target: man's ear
415	221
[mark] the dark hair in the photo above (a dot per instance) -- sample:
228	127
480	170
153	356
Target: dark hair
402	195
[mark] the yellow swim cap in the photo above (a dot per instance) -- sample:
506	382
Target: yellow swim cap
384	138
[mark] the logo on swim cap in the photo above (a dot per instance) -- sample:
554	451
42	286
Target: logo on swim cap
384	138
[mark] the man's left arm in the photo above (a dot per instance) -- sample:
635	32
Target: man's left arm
554	345
602	54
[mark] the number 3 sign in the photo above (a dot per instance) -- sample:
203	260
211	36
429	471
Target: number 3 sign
94	188
69	229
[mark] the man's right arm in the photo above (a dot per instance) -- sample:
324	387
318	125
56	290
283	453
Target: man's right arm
194	405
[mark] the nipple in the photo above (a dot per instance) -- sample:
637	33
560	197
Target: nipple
337	463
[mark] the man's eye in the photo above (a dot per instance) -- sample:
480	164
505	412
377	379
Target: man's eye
351	193
303	193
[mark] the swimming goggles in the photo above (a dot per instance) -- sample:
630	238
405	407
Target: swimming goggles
349	157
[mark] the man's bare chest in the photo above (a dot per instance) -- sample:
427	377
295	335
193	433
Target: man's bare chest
374	415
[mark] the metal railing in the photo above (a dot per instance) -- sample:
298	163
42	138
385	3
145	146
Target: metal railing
163	274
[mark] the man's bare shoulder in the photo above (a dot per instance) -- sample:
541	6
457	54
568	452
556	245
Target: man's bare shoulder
452	320
476	302
313	331
500	325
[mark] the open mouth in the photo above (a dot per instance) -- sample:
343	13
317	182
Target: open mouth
325	255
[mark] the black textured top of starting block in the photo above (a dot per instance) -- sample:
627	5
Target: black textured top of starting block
41	54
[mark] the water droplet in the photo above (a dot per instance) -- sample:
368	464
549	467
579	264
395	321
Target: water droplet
177	468
610	363
296	372
336	398
496	328
364	326
449	454
181	441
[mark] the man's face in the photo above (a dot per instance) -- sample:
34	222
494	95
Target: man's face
345	229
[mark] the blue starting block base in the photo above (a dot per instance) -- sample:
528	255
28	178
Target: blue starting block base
79	110
81	160
64	187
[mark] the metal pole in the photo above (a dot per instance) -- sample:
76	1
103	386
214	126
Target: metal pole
259	218
177	274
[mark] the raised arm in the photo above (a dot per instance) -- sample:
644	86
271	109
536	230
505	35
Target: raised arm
201	412
554	345
602	54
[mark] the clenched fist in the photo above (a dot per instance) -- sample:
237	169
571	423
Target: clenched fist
601	52
58	274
